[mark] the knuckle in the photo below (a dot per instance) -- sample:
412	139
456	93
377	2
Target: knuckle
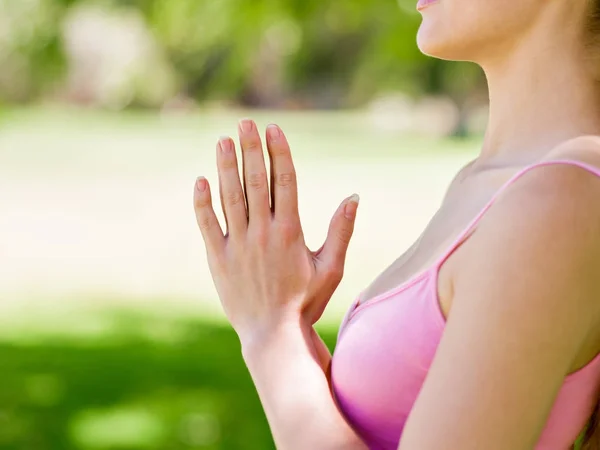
288	231
285	179
228	164
260	237
335	273
279	150
202	201
344	235
251	145
205	223
257	180
233	198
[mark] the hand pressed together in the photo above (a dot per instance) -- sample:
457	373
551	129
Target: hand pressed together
264	273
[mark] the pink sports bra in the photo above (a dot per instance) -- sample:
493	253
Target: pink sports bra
386	346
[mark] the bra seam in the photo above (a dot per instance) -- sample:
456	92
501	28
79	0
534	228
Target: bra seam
392	292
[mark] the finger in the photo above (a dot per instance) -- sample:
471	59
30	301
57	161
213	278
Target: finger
284	187
333	255
232	194
255	173
223	206
206	217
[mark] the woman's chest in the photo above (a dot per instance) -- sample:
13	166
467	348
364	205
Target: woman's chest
463	202
382	357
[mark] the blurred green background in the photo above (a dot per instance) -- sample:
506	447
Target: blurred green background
111	334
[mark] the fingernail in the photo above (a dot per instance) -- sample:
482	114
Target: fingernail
201	184
225	144
246	125
274	132
351	206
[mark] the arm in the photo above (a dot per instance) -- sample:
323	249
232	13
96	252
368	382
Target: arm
273	289
295	392
322	352
523	313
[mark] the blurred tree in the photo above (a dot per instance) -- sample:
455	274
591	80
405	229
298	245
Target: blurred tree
264	53
31	54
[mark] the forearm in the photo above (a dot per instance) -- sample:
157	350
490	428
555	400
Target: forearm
287	369
321	351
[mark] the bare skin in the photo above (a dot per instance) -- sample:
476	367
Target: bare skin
528	267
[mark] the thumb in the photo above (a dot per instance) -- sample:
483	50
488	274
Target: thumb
333	254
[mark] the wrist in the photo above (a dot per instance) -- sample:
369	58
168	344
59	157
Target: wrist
288	334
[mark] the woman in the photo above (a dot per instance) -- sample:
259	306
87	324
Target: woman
486	333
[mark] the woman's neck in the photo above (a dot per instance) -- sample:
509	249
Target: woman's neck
540	96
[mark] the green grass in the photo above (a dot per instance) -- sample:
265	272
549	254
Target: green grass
150	384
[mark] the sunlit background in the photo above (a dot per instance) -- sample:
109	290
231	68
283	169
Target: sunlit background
111	334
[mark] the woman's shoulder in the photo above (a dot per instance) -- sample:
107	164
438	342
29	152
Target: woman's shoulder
568	177
584	149
565	182
560	192
550	214
545	229
570	173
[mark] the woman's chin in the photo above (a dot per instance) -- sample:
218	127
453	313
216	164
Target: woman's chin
432	42
429	42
